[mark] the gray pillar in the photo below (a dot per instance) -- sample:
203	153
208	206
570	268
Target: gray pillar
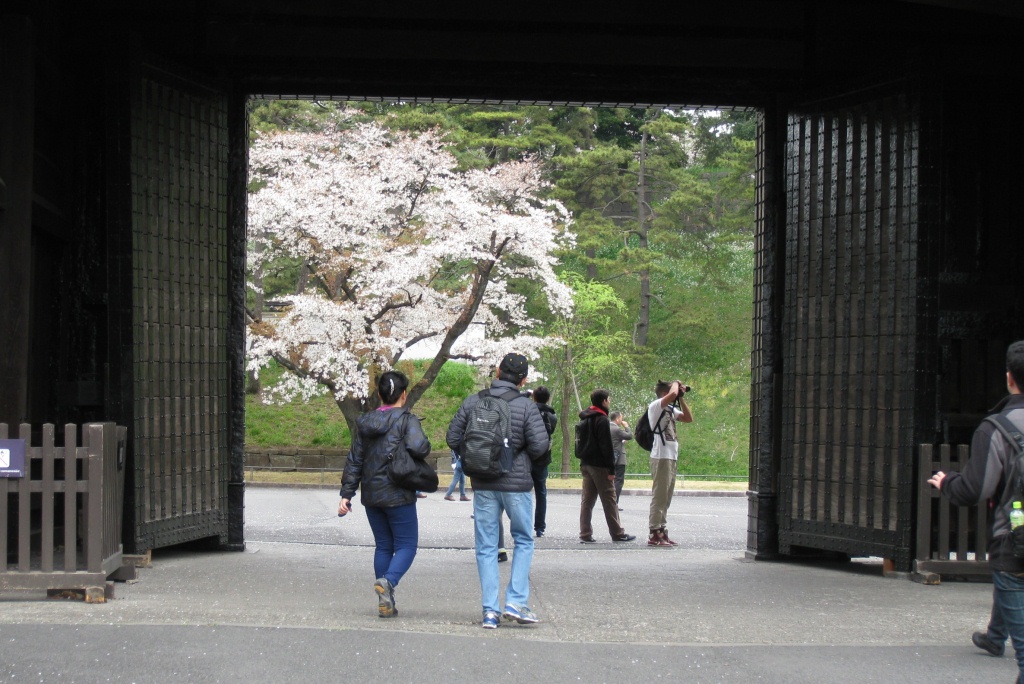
238	159
766	348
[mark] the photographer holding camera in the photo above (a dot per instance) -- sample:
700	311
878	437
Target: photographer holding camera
663	413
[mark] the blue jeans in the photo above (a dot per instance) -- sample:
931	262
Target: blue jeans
487	509
1008	613
540	490
459	478
396	533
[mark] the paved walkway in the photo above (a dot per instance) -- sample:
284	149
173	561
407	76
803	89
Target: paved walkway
297	605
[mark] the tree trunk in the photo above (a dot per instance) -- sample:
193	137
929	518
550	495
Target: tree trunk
476	296
302	279
591	263
563	419
351	409
644	321
252	384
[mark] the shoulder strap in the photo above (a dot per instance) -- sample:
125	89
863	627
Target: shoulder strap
657	429
1009	431
1014	466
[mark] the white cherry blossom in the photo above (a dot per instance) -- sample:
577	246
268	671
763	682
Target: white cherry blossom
400	244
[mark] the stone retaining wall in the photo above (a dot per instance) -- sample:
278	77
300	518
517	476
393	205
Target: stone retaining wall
292	458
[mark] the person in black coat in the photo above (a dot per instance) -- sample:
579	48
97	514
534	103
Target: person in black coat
539	469
390	510
597	466
510	494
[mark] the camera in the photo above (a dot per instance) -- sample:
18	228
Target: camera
684	388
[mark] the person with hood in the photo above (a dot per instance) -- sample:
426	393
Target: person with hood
597	466
390	510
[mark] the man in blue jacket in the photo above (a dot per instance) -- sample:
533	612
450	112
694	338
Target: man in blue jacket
984	477
510	492
597	467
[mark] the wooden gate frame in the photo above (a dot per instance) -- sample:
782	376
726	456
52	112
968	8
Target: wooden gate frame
947	543
94	470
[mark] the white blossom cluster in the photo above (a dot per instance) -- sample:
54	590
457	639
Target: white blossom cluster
400	245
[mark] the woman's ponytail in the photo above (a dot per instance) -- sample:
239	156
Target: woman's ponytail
390	386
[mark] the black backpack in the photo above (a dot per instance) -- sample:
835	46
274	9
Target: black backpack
485	451
644	435
550	423
1015	474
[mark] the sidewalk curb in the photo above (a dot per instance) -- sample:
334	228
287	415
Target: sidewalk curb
625	492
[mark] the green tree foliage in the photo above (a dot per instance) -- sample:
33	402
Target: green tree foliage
595	350
659	196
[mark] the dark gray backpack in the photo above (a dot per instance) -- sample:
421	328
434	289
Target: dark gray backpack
1015	474
485	450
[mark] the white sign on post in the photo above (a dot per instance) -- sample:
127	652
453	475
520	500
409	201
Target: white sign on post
12	458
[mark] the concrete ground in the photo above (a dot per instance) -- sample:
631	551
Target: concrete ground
298	605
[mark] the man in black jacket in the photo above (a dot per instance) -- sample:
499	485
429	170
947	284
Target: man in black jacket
509	493
597	466
540	467
984	477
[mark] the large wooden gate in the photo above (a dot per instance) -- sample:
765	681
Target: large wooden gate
849	326
179	309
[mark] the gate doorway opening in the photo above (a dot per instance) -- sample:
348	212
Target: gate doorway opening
686	175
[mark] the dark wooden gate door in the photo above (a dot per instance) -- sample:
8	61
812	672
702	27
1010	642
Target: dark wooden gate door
180	308
849	326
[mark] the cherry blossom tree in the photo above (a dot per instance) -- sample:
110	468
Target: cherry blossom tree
400	246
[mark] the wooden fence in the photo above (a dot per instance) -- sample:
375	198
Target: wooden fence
60	524
951	540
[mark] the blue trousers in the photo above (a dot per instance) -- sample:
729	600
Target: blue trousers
396	533
487	509
1008	614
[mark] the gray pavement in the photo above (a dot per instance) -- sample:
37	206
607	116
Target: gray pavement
298	605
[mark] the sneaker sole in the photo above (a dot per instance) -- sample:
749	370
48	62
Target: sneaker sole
519	618
989	647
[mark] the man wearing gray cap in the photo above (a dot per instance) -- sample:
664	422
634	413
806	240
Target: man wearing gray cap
505	487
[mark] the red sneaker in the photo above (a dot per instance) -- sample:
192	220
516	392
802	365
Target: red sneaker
656	539
666	540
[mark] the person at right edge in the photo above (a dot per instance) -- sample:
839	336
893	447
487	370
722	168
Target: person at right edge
663	416
985	476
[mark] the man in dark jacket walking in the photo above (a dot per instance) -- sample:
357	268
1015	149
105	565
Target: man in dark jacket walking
510	492
984	477
597	466
540	467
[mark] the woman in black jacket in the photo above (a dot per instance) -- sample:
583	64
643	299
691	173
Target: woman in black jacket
390	510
